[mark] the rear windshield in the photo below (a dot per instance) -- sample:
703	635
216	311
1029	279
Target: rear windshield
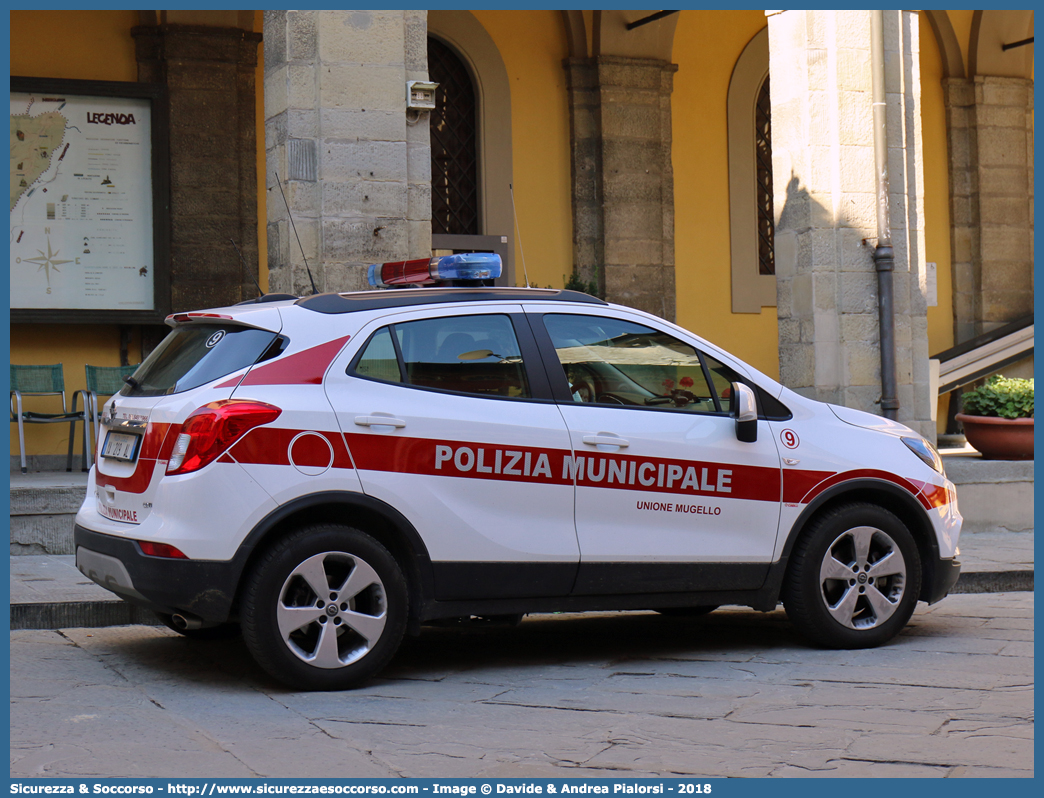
196	354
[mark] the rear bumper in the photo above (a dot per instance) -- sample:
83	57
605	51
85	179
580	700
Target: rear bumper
202	588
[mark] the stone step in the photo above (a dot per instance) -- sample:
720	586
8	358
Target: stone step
42	534
46	499
992	495
43	510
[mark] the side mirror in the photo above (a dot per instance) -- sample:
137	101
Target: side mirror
744	408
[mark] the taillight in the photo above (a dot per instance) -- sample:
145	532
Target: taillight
161	550
211	429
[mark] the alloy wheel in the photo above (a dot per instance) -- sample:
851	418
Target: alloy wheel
862	577
332	609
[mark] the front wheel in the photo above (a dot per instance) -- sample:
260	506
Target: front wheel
325	609
854	577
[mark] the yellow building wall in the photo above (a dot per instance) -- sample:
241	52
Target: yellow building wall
81	45
87	45
706	47
936	199
533	46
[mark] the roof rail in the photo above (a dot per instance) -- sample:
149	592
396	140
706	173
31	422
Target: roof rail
406	297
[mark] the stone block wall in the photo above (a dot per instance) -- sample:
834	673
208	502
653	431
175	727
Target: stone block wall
990	124
354	163
826	208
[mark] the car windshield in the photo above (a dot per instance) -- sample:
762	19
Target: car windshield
196	354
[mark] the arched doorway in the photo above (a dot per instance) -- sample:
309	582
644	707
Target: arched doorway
470	140
454	146
750	179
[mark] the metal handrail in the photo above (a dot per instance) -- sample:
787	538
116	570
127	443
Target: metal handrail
983	355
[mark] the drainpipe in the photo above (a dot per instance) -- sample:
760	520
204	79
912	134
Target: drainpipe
884	260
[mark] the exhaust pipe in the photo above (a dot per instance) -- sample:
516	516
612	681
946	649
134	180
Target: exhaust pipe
186	623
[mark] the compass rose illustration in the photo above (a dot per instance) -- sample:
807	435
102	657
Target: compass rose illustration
48	261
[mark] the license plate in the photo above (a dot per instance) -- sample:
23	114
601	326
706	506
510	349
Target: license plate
121	446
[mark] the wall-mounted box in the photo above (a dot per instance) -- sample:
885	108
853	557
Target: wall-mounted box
420	95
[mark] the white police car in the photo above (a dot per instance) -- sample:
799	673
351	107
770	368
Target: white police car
331	472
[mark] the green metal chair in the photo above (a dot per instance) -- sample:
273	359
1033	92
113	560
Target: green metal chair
29	381
101	381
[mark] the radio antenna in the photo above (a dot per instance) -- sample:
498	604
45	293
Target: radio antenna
303	256
518	232
247	271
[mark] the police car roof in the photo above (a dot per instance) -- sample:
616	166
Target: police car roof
405	297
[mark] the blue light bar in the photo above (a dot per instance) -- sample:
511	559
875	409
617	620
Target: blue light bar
467	266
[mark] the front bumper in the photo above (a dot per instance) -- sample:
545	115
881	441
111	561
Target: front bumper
202	588
944	578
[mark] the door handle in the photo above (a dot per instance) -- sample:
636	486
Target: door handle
606	439
379	421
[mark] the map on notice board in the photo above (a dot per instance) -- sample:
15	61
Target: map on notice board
81	202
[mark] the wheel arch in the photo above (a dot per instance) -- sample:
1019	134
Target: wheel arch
888	495
386	524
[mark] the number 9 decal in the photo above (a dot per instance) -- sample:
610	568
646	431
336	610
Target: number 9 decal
789	438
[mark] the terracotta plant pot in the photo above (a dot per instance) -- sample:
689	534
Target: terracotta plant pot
999	438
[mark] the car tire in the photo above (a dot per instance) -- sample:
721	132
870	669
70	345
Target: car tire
333	639
854	577
223	631
687	612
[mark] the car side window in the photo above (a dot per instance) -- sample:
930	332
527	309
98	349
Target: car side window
722	378
378	360
476	355
616	362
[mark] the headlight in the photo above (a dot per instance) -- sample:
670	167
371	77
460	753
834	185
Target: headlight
928	453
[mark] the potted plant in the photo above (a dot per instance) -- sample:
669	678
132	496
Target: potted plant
998	418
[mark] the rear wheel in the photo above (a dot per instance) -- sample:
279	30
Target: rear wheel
325	609
854	577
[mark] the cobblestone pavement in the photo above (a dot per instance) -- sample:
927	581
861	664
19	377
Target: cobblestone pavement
735	693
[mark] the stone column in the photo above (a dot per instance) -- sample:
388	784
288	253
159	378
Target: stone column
585	123
825	204
209	75
990	127
623	181
355	165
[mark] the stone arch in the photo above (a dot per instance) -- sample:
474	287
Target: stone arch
611	37
576	33
461	31
990	31
949	47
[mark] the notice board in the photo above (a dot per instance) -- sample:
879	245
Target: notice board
89	209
